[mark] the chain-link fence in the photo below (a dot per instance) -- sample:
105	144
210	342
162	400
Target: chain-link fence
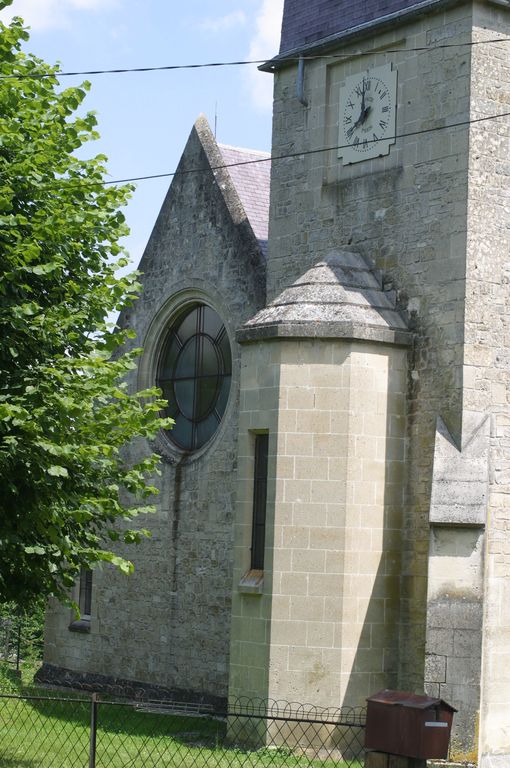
10	641
21	636
58	729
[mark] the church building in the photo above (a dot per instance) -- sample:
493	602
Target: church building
334	507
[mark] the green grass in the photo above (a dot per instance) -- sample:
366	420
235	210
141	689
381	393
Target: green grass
56	734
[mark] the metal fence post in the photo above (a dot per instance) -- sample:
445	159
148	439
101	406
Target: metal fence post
18	646
7	639
93	730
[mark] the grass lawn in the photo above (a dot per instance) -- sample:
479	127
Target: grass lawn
53	733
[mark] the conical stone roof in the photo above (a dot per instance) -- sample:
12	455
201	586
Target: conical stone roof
340	296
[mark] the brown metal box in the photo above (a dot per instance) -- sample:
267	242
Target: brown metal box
402	723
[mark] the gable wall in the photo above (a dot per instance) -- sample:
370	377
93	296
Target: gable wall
169	623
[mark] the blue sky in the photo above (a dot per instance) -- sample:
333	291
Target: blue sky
145	119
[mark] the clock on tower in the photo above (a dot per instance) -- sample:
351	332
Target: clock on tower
367	115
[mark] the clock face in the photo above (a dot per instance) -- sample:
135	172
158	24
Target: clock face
367	114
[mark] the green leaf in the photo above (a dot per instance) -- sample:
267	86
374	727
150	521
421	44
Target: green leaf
57	471
34	550
42	269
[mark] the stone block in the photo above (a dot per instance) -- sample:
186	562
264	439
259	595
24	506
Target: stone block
300	398
328	446
320	634
440	641
299	444
460	485
454	613
435	668
311	468
288	633
308	561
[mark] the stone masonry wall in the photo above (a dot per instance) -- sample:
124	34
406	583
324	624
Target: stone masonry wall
407	212
487	354
169	623
324	629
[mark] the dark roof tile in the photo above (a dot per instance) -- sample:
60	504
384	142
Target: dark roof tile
310	21
251	180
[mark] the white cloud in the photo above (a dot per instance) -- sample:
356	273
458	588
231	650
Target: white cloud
50	14
221	23
264	45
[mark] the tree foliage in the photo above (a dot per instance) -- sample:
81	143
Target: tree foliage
65	410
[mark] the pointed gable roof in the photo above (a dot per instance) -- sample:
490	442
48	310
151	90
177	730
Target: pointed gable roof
207	172
243	176
312	22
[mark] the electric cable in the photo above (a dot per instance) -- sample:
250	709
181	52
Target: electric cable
293	155
212	64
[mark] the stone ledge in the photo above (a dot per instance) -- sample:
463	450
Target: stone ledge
81	625
312	330
252	583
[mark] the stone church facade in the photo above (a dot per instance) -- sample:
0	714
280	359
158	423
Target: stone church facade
334	508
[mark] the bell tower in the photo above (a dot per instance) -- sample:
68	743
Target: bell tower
390	158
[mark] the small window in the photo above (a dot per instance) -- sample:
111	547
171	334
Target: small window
259	502
195	370
85	598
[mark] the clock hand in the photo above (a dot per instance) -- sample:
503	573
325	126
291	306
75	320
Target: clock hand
358	122
362	118
364	110
365	114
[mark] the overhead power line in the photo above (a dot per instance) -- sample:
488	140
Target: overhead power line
212	64
292	155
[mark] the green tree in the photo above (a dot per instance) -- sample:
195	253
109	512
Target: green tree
65	410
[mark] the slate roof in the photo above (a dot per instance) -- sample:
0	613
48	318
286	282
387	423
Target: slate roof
251	181
310	21
341	296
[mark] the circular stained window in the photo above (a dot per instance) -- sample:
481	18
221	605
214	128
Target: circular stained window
195	370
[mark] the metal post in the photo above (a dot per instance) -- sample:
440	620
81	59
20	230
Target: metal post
18	646
7	639
93	730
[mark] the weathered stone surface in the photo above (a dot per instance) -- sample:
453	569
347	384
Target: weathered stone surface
342	290
169	623
460	482
433	215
